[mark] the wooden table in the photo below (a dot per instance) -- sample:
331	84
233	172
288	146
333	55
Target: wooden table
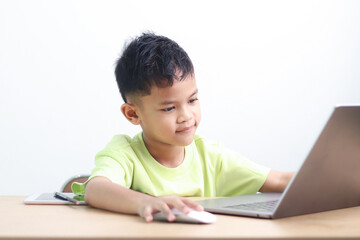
20	221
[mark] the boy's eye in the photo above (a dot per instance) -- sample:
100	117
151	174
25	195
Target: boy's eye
167	109
193	100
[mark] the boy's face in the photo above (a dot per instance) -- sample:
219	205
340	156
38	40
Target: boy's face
170	115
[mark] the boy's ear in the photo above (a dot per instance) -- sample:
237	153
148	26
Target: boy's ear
129	111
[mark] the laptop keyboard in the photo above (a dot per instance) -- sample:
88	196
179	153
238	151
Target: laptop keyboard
267	206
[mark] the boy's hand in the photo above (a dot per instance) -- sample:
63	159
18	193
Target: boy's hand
165	204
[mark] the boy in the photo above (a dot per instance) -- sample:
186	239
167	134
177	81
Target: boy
166	162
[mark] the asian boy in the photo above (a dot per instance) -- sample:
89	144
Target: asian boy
167	162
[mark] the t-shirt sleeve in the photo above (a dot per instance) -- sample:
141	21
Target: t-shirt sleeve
109	168
237	175
112	163
104	167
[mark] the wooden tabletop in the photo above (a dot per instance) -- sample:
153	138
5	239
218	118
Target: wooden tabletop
20	221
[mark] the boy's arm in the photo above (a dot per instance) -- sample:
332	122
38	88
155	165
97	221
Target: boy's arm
276	181
100	192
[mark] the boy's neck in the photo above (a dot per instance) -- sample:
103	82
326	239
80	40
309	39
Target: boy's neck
167	155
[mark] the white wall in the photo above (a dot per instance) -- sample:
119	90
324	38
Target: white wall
269	74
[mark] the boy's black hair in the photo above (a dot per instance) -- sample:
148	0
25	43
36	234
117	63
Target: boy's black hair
151	59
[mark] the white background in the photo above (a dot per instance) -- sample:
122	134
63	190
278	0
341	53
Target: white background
268	72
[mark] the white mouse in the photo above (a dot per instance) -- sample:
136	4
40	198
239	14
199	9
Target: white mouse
192	217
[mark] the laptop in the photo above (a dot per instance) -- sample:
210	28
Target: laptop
327	180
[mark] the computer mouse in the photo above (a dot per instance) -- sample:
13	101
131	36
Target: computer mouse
192	217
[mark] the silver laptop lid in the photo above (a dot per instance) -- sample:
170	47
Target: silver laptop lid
329	177
327	180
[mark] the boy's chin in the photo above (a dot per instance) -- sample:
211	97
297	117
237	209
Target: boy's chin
186	141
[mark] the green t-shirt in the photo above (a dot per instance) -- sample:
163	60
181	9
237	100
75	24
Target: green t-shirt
208	170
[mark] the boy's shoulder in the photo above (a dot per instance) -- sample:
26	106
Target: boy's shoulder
121	141
202	140
207	144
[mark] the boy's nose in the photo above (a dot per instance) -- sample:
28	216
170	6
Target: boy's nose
184	115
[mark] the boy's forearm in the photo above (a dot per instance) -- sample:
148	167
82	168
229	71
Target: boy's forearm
276	181
102	193
286	178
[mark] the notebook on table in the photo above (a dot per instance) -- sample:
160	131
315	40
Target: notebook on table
50	199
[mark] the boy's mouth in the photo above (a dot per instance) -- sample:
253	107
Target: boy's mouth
186	129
